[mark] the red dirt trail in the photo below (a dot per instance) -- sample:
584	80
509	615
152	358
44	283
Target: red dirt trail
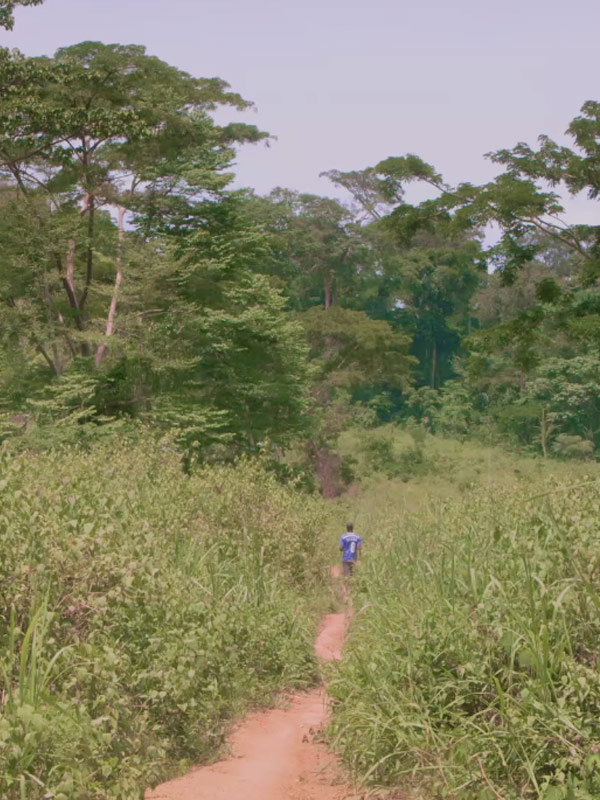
275	754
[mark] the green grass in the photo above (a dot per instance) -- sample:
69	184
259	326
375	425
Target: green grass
407	470
141	611
471	669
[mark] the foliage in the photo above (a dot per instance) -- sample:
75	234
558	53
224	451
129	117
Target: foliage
351	349
570	446
98	131
140	610
421	283
7	8
387	451
470	670
198	337
320	250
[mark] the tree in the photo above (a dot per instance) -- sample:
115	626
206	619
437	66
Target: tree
97	133
425	271
435	284
129	269
370	193
521	201
576	170
7	7
348	352
351	349
567	389
318	244
221	340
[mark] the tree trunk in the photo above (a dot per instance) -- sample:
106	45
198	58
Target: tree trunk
544	434
70	285
88	207
434	364
112	312
328	466
54	362
547	428
42	350
71	266
58	367
327	291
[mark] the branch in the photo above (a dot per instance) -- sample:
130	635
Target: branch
38	345
68	286
67	282
41	349
11	163
89	207
110	320
554	232
67	337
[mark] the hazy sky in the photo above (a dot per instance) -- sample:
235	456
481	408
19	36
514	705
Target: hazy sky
345	83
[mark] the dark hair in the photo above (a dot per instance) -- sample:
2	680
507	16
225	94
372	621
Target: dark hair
349	526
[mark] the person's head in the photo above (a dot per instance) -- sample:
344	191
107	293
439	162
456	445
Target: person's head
349	527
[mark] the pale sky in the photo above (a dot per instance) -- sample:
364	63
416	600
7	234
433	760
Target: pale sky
345	83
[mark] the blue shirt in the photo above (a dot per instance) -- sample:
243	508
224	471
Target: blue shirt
350	542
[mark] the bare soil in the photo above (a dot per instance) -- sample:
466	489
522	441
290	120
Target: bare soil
276	754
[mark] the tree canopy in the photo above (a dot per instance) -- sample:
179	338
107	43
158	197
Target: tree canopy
7	9
138	285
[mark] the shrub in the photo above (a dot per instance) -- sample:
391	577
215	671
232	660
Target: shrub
140	610
570	446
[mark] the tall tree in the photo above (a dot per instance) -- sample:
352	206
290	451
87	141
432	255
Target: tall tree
103	132
521	201
320	248
349	352
126	260
426	270
220	339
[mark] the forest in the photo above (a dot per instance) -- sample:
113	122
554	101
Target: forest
199	381
139	288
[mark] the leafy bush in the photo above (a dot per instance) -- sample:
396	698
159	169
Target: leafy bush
388	450
569	446
380	456
140	610
471	670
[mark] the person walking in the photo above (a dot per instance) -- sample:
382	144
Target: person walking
350	547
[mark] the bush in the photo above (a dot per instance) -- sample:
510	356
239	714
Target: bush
140	610
569	446
380	456
395	452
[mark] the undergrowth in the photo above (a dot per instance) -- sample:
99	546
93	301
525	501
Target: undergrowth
471	669
140	611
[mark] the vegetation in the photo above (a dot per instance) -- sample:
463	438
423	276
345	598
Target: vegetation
7	8
137	285
140	611
184	365
471	665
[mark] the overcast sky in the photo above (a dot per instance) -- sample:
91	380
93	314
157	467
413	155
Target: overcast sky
345	83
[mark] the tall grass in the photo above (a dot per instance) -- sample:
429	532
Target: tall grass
140	611
472	669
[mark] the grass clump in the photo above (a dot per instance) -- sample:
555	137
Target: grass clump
472	669
140	611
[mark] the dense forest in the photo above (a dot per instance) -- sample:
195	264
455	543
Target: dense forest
139	288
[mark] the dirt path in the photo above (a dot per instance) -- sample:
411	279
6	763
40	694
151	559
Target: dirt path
276	754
